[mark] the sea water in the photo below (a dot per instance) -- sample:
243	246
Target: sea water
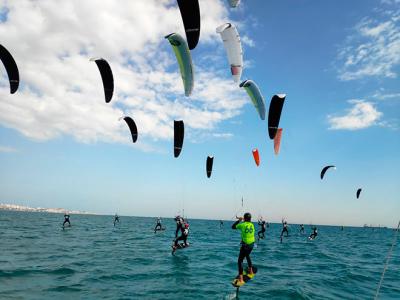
95	260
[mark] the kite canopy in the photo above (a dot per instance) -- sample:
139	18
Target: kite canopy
358	193
179	131
184	59
106	76
233	3
255	95
190	12
233	47
277	141
209	165
256	156
11	68
326	169
132	127
274	114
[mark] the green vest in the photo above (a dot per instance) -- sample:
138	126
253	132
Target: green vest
247	231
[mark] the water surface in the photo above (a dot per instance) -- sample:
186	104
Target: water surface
94	260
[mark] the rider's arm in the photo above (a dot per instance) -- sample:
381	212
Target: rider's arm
234	224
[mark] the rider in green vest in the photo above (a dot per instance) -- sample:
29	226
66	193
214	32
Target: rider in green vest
247	232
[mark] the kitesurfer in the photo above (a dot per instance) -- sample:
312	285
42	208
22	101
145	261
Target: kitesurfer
182	226
301	228
247	233
221	223
116	219
158	225
66	220
314	234
284	228
261	233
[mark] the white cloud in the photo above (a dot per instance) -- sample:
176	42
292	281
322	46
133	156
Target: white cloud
226	135
381	95
390	2
247	41
363	114
373	50
6	149
61	90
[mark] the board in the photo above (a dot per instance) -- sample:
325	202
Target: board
180	246
159	229
246	277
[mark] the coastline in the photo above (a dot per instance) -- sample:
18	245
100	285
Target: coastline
23	208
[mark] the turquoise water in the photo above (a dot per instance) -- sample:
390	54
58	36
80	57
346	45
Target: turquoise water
94	260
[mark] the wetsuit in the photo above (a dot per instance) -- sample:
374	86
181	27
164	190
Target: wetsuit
116	219
301	228
184	228
66	220
261	232
158	225
221	223
284	229
247	232
314	234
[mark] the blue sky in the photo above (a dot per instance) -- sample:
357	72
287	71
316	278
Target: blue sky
337	61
